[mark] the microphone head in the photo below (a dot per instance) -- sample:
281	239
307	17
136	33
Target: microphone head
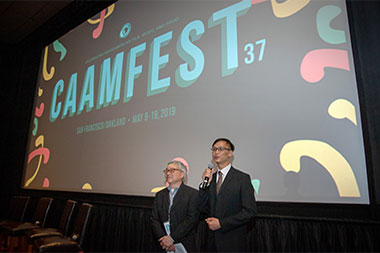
210	166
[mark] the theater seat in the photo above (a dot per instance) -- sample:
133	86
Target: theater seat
16	214
15	231
73	243
63	227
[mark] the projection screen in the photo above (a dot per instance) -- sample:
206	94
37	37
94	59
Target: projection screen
144	82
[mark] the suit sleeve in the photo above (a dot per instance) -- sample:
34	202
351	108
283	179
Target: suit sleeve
191	220
248	210
157	225
203	196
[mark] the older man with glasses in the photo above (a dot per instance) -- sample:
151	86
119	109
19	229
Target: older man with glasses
175	213
228	201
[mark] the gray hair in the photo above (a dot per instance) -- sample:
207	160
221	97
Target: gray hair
182	167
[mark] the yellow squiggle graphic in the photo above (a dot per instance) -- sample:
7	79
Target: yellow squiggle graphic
40	91
39	141
47	76
335	164
288	8
157	189
109	12
342	108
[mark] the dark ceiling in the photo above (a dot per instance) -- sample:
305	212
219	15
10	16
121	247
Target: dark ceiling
18	19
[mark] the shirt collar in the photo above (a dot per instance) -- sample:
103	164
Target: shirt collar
173	190
225	170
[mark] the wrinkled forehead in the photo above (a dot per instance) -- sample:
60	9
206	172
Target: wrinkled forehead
173	166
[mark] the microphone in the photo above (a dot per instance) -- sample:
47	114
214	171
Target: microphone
204	184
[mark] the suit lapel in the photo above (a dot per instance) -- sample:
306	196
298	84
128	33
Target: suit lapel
177	196
227	180
213	183
166	203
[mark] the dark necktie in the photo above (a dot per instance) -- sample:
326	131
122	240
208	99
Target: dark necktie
219	183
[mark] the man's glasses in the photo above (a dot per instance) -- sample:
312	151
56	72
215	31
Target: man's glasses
220	149
171	170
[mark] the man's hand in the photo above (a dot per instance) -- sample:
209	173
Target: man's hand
213	223
166	243
207	173
172	248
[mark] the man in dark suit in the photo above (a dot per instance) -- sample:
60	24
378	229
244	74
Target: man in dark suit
175	212
228	201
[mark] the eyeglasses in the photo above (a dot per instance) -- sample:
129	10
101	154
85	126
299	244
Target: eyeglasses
220	149
171	170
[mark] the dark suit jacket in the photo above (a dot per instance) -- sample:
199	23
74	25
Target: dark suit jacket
184	215
234	206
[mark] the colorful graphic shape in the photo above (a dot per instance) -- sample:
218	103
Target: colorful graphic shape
288	8
256	185
324	17
98	30
157	189
41	152
109	9
87	186
59	48
343	109
46	75
34	132
38	113
40	92
39	110
314	63
334	163
46	183
253	2
125	30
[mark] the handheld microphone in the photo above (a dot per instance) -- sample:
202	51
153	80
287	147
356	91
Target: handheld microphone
204	184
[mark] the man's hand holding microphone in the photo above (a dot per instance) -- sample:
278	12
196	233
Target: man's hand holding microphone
207	176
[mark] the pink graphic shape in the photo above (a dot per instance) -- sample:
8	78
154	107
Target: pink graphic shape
46	183
180	159
314	63
39	110
257	1
40	151
98	30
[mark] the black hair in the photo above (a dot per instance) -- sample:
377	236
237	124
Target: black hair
232	147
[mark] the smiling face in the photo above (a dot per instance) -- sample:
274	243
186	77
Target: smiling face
221	154
174	175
